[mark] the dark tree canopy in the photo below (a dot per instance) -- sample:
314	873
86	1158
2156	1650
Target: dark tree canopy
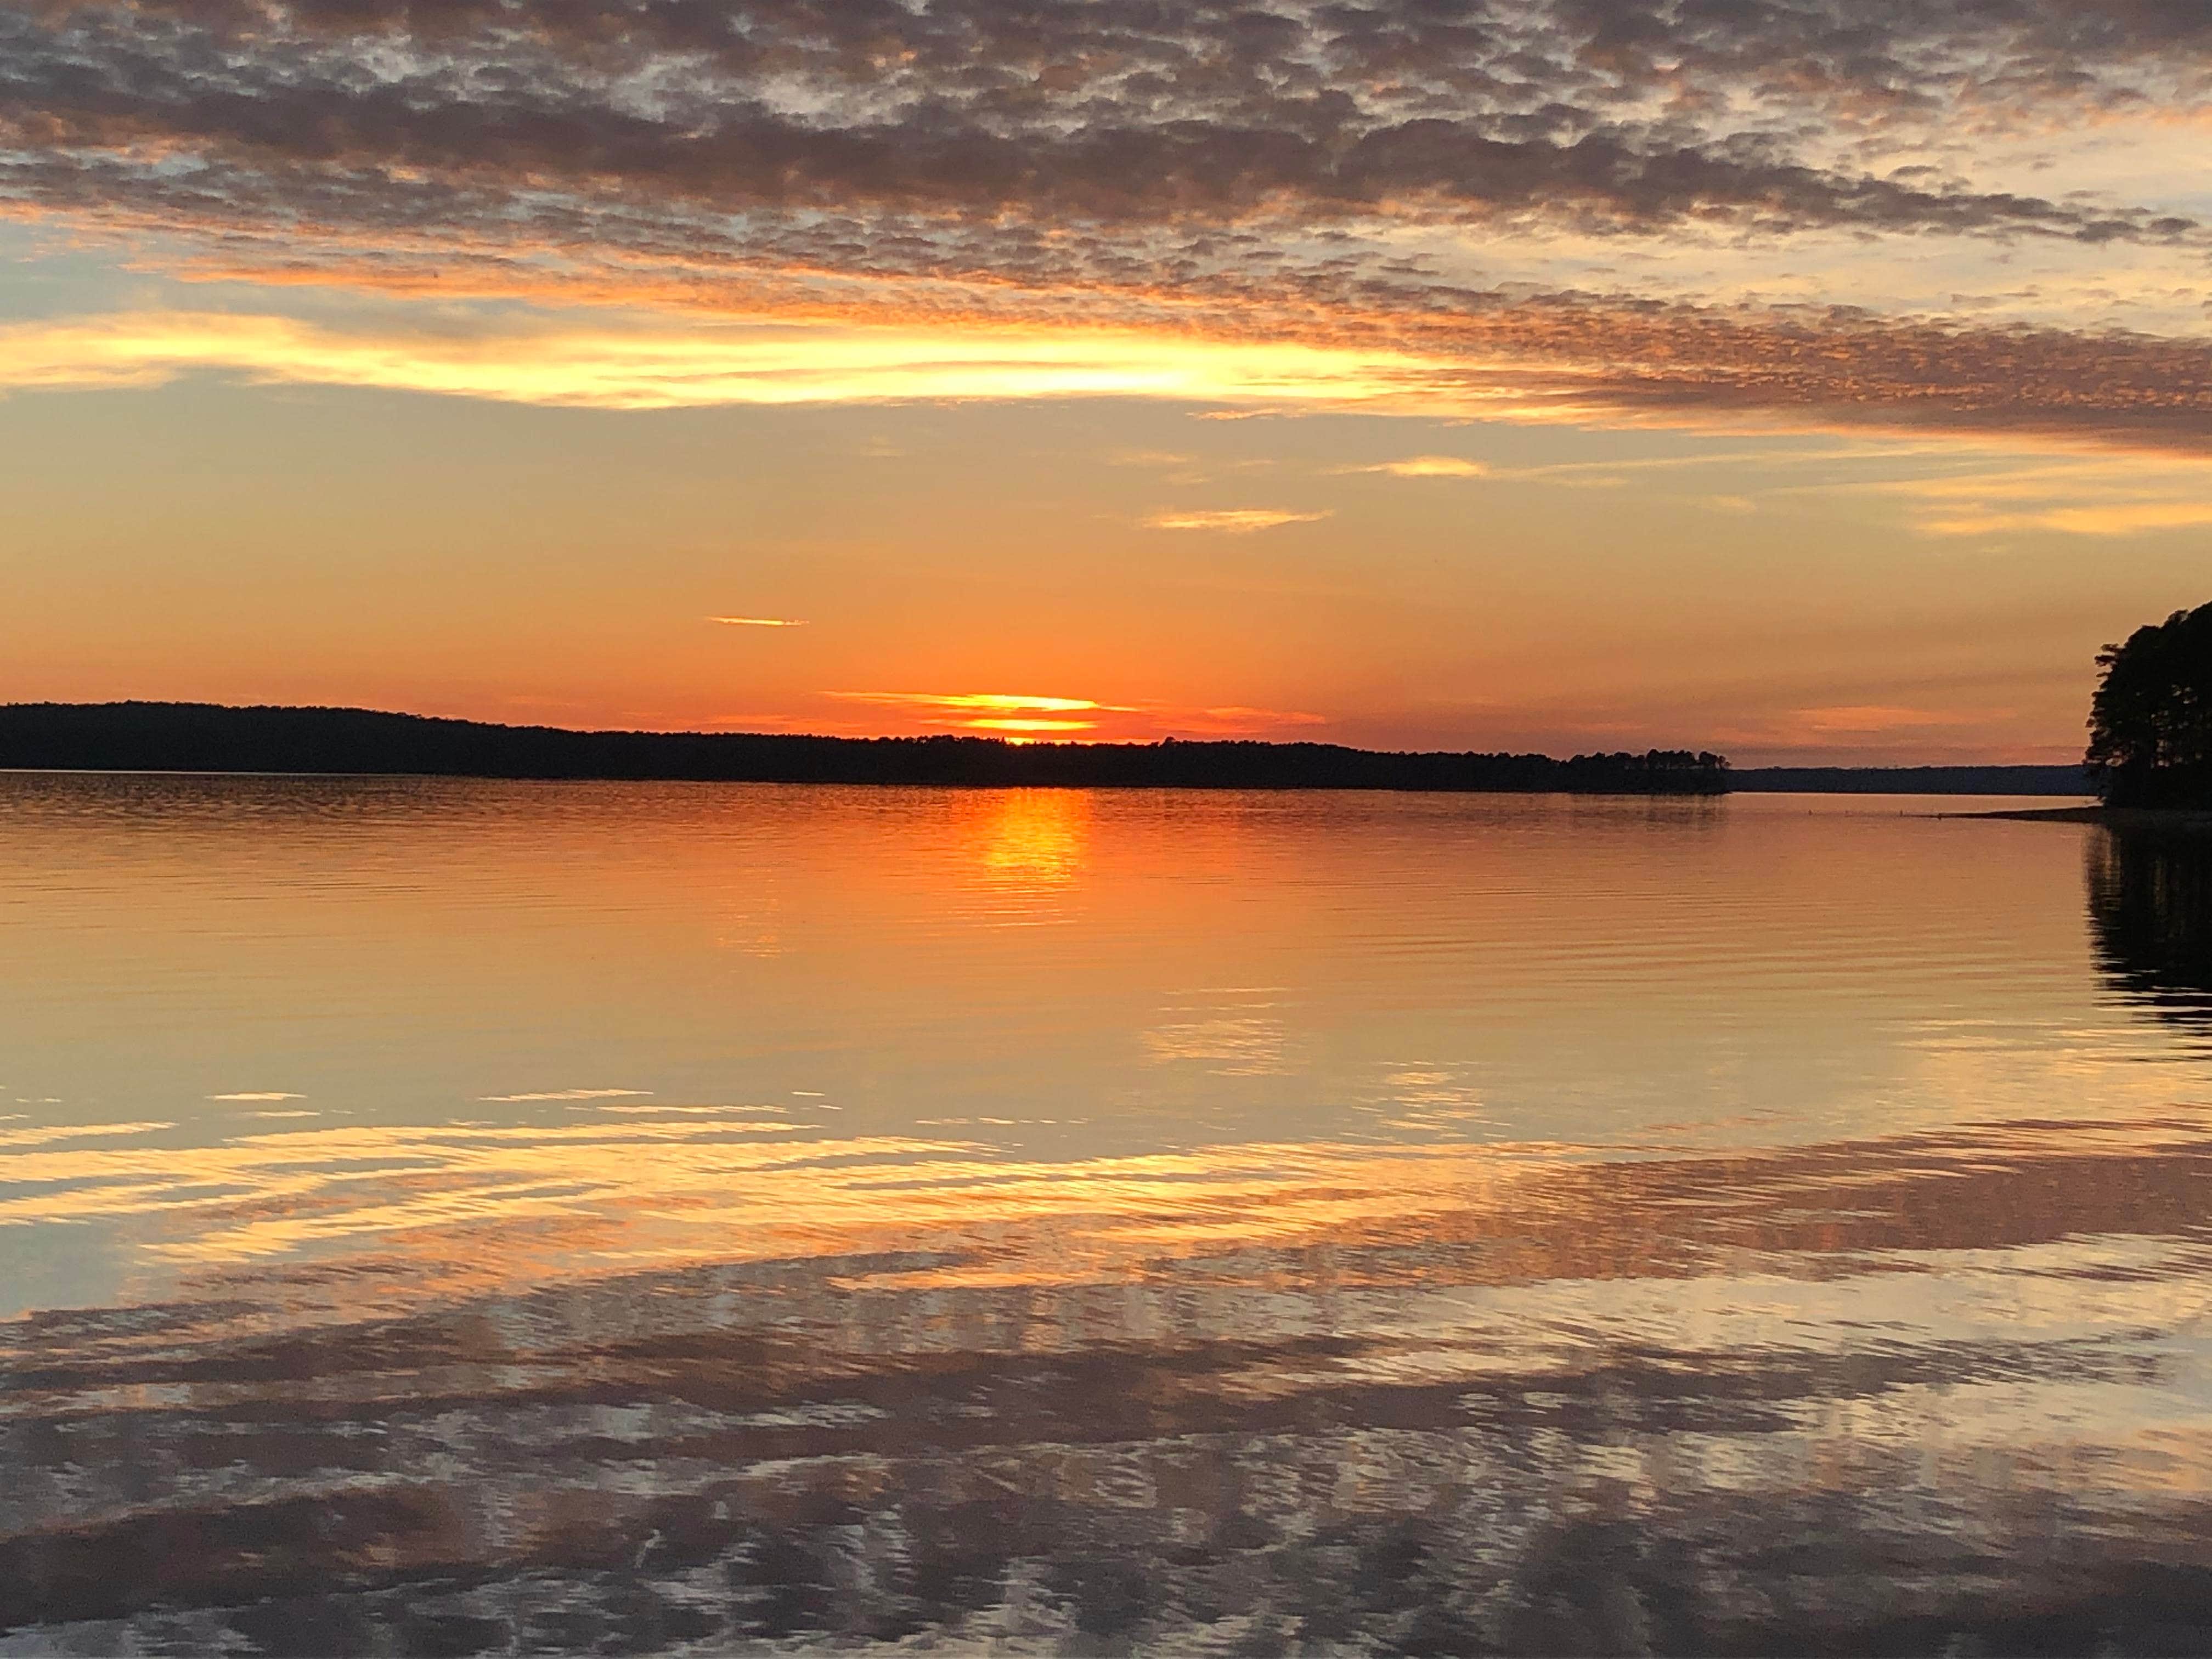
2150	724
206	738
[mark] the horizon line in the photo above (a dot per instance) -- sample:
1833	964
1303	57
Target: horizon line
1000	741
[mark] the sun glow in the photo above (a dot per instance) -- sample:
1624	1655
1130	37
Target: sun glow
1009	700
1235	521
1009	714
664	361
1022	716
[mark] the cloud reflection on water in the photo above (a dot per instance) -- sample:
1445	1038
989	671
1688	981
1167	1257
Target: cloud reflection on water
1226	1372
1878	1323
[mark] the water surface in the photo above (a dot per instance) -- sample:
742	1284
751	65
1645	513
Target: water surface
442	1216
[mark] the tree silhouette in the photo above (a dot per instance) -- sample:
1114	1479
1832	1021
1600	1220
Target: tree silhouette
208	737
2150	723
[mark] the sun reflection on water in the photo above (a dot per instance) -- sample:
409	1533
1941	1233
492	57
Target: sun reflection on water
1034	843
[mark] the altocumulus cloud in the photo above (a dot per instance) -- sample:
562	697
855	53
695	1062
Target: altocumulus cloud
1417	199
1600	112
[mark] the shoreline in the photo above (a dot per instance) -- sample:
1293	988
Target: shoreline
2194	819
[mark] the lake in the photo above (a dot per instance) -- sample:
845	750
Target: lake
441	1217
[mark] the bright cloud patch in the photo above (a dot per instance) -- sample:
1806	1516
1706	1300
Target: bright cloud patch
1027	714
564	1094
1430	466
673	364
1235	520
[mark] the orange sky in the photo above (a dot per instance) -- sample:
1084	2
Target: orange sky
1505	374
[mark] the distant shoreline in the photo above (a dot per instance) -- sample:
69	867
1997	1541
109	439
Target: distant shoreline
2069	781
212	738
2190	819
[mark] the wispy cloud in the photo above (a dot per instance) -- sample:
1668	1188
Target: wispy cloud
1571	362
564	1094
1991	493
1429	467
1235	722
1008	713
759	622
1872	718
1235	520
673	362
993	701
1027	713
2103	519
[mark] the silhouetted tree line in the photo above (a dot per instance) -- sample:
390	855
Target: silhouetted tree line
208	737
2150	722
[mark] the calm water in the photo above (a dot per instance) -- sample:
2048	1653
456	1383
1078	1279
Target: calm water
437	1217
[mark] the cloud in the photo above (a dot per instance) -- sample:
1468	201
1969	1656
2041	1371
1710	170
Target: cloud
1235	520
1006	714
968	701
564	1094
759	622
1027	713
1547	361
1614	116
1238	721
1429	467
1877	718
2109	518
1573	210
2075	495
688	362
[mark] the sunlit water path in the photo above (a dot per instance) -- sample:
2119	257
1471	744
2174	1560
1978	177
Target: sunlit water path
447	1216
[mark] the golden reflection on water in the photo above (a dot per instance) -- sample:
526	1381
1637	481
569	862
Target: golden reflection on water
1035	839
697	1218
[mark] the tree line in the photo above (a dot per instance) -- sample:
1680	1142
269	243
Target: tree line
210	738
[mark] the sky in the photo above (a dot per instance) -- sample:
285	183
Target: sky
1813	380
